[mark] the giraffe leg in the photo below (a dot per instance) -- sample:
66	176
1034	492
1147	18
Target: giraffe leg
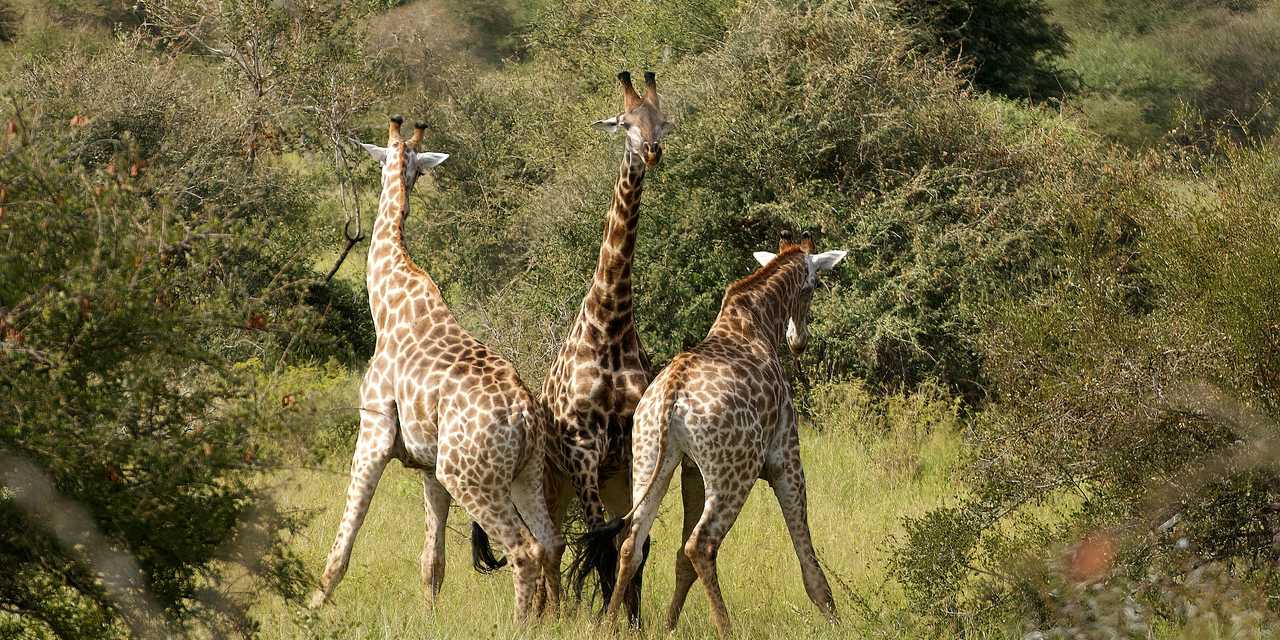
595	553
436	500
530	501
616	494
558	491
373	451
692	495
787	479
497	514
649	499
723	504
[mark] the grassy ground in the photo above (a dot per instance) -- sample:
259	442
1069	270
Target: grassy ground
858	492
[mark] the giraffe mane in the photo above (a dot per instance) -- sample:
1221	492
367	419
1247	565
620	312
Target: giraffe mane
763	273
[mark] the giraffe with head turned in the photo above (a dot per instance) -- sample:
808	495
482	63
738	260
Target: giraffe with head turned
601	370
438	400
722	411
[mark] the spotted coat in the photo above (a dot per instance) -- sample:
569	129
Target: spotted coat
438	400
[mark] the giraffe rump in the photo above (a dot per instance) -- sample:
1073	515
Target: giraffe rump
482	557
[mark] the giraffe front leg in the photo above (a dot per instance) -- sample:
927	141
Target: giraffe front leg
558	491
373	451
436	501
596	550
787	479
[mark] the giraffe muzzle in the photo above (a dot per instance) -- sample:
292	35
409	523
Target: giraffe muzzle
652	154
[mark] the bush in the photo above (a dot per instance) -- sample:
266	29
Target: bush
821	119
1012	45
894	426
119	317
1111	408
10	21
1174	71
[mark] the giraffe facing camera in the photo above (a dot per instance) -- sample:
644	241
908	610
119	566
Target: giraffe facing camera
641	118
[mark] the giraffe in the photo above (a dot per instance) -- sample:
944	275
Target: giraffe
723	412
601	370
438	400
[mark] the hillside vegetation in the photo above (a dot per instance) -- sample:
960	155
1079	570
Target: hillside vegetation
1041	395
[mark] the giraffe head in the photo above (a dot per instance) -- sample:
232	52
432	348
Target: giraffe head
798	314
641	118
402	156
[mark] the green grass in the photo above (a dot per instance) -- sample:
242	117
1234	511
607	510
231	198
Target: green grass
856	503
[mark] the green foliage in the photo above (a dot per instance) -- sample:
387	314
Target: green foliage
10	21
155	257
1108	382
1069	307
118	316
1012	45
818	119
894	427
1174	70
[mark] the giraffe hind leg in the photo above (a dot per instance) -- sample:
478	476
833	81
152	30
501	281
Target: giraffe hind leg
692	496
616	493
648	500
499	516
530	501
374	448
721	508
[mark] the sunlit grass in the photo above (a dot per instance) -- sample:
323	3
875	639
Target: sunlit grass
856	504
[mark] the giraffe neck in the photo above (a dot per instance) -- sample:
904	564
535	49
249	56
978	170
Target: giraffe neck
757	308
389	267
610	295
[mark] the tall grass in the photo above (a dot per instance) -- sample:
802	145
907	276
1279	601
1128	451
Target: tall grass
856	502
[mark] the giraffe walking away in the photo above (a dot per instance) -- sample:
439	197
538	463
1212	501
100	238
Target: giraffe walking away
601	370
723	412
438	400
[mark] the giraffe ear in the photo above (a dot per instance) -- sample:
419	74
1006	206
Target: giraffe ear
827	261
608	125
426	159
764	257
379	154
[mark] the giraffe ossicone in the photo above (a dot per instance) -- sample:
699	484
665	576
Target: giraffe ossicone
438	400
722	411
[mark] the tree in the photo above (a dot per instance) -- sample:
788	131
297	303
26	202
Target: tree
127	427
1011	44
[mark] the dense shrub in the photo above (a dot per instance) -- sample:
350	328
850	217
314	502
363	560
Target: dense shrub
819	119
1013	46
119	314
1110	402
1173	70
154	259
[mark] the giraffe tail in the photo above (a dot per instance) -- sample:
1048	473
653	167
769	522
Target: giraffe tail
482	557
598	549
597	554
664	420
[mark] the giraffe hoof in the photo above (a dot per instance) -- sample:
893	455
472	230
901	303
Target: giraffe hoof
317	599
